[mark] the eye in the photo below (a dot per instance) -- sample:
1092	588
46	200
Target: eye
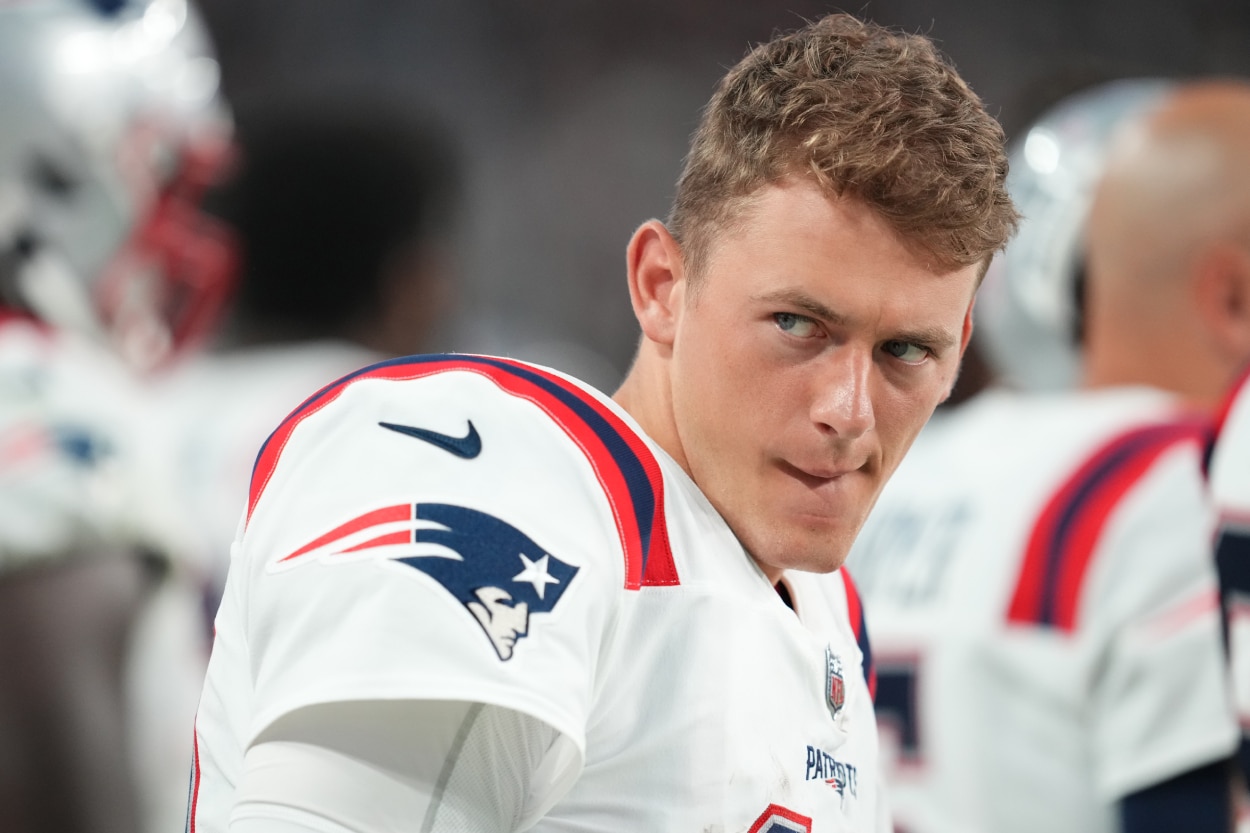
905	351
799	326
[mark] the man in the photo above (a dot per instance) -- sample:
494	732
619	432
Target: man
1044	615
474	594
104	153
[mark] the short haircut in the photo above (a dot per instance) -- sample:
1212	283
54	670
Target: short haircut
867	112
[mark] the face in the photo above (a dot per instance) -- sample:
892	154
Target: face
504	620
816	347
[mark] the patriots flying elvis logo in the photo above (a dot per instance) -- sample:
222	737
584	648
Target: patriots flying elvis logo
501	575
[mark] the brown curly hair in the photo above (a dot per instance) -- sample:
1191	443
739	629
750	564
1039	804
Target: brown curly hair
871	113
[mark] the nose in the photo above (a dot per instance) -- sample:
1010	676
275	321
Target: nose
842	404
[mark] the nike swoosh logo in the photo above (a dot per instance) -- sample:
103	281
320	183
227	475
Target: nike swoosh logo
468	446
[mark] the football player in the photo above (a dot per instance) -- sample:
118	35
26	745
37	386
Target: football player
1039	575
110	128
471	593
1229	471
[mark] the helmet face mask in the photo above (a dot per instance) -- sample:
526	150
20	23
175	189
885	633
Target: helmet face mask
1028	311
165	287
114	130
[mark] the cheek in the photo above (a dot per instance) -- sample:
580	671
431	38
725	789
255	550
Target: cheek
722	377
901	414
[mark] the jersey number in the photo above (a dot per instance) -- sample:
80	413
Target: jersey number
898	683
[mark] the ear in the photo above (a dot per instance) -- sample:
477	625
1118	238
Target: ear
656	281
1222	288
965	337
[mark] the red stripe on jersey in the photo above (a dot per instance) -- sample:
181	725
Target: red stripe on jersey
404	536
854	608
195	778
1066	533
10	315
1221	417
1194	609
23	443
642	530
776	811
390	514
859	625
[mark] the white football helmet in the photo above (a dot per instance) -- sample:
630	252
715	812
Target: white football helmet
111	129
1028	312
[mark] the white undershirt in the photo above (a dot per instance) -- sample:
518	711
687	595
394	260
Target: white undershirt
376	767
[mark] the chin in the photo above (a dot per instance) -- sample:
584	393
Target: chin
805	552
826	561
783	538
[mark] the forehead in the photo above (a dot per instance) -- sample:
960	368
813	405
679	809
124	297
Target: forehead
795	232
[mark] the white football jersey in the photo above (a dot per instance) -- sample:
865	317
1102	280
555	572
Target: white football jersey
1229	471
82	472
1041	592
475	528
76	472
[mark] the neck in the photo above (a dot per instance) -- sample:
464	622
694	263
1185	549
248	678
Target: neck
646	394
1182	365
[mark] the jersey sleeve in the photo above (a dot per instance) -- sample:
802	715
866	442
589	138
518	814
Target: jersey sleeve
437	532
1160	703
78	473
378	767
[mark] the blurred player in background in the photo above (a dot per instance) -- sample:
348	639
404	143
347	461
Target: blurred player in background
110	130
1229	472
344	209
472	593
1038	576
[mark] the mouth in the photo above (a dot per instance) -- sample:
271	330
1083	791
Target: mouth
819	499
818	478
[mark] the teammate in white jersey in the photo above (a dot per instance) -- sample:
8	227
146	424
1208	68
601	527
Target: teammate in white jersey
1229	472
110	127
1038	575
475	594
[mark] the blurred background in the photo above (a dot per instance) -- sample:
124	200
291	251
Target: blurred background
571	117
560	126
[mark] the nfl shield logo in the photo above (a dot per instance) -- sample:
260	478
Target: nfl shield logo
835	686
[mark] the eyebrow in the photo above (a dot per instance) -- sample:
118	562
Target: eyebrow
938	338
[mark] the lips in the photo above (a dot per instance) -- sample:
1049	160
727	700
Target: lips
825	500
816	475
